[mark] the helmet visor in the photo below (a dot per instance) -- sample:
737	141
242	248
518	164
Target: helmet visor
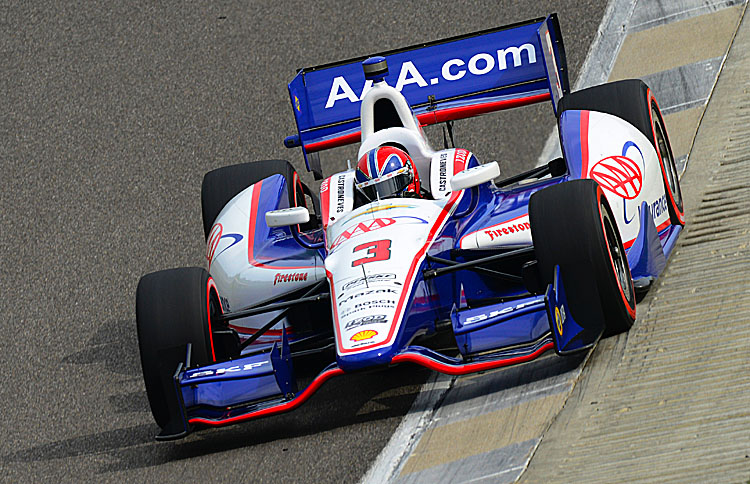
387	187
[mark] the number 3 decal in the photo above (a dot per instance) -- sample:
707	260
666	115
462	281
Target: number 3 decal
377	250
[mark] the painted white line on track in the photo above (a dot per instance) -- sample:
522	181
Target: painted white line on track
494	474
391	459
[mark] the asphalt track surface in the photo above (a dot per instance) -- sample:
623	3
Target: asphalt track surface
110	114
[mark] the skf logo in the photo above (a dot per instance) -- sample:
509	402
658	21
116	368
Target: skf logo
292	277
559	319
363	335
620	175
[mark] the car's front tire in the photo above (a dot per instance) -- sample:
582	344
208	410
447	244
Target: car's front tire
173	308
573	226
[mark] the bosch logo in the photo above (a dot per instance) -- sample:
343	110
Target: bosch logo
291	277
620	175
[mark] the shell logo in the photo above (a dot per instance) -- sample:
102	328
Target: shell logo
620	175
365	334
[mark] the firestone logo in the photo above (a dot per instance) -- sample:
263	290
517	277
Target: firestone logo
291	277
452	70
510	229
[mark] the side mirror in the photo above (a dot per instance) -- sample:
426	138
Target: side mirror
287	216
475	176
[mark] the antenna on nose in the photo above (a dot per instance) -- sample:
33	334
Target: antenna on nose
376	68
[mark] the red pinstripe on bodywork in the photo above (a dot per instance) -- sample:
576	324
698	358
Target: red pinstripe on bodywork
469	367
584	144
211	285
281	408
401	358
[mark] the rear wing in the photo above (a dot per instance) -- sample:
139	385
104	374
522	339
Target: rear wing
445	80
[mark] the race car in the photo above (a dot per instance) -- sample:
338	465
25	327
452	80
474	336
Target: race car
415	254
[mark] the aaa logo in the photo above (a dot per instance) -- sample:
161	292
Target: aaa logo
620	175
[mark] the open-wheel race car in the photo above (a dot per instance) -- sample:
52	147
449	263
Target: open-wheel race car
415	254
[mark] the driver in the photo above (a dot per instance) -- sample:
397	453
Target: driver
386	172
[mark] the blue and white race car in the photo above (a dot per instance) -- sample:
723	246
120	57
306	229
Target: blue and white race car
417	254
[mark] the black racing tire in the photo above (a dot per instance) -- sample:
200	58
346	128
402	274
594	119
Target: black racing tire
223	184
573	226
173	308
633	101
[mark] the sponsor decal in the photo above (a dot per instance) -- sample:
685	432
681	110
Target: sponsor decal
364	334
380	209
225	304
340	183
559	319
324	185
214	238
296	104
365	320
378	303
443	179
372	225
479	64
362	228
498	312
510	229
620	175
459	160
229	369
367	293
289	277
371	279
213	242
367	306
659	207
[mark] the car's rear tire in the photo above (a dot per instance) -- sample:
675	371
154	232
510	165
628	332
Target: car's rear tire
633	101
173	308
223	184
573	226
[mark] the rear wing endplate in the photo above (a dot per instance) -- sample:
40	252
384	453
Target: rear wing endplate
445	80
